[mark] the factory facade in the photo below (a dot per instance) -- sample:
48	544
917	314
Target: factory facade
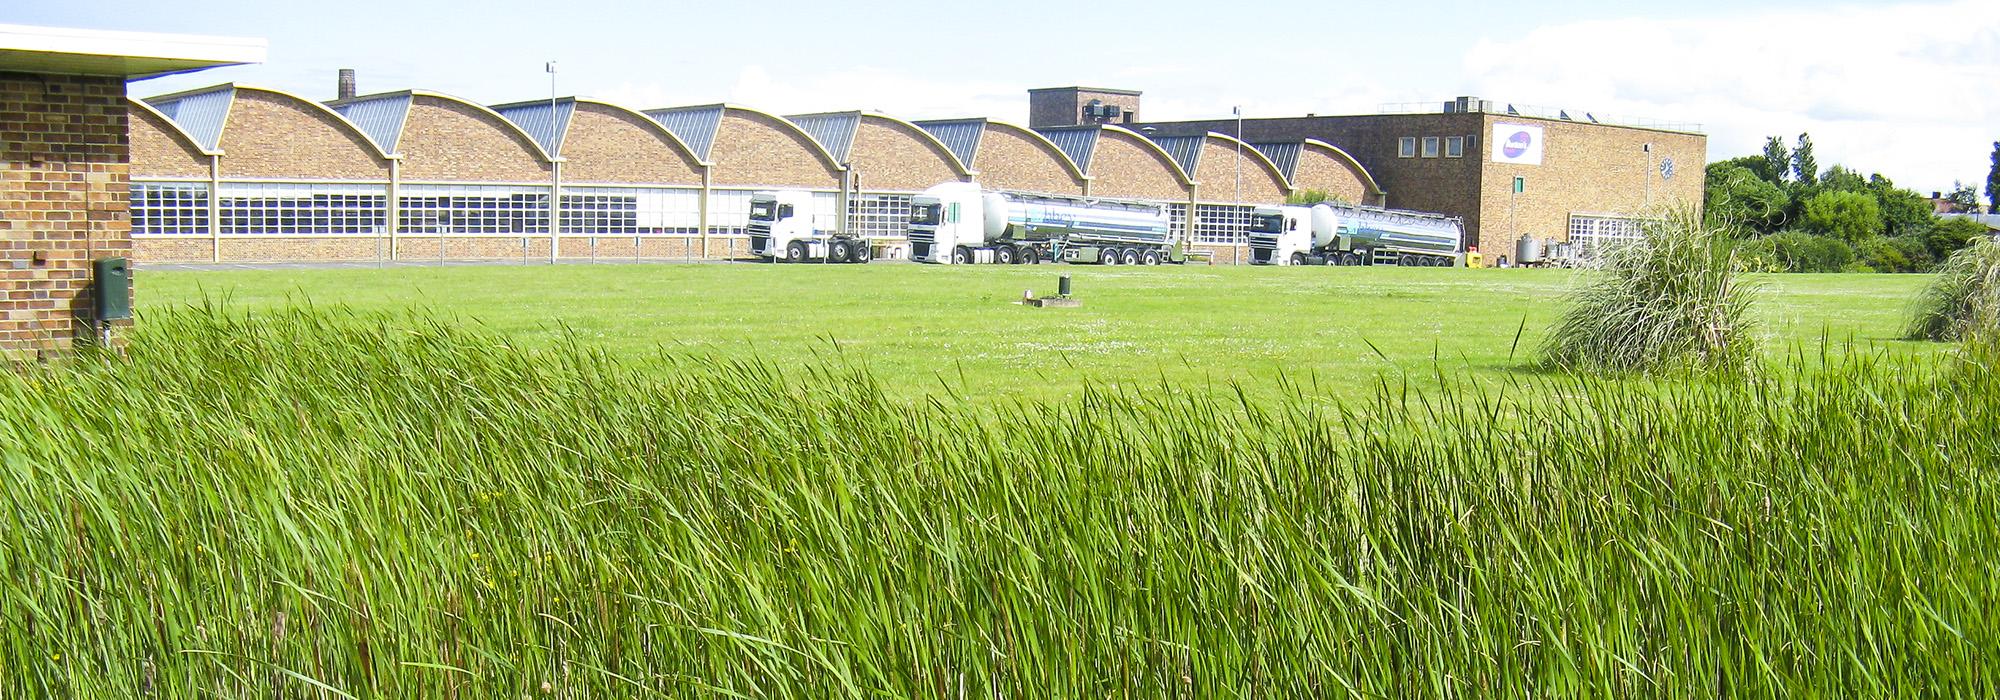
243	173
1509	171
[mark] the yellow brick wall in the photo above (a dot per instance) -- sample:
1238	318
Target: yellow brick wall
609	145
270	135
158	149
1322	169
1218	175
1586	168
1125	165
444	140
1011	158
889	156
757	149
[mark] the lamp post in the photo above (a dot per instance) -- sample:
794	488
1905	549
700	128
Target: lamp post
1236	256
555	172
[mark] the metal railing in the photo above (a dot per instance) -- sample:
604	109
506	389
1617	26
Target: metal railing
1537	111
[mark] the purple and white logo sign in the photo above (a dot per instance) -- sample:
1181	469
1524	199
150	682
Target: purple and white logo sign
1520	144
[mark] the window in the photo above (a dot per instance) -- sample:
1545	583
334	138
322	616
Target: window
1406	147
170	208
474	209
630	211
1594	235
1223	224
290	209
879	215
1430	146
1454	147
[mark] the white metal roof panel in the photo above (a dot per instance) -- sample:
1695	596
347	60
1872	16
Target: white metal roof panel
960	136
546	122
1077	142
381	118
695	126
201	114
834	131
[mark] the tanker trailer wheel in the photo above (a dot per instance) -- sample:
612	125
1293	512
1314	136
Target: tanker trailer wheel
1350	259
1107	256
1004	255
1030	256
1298	259
1406	261
796	252
961	255
1152	257
861	252
1129	256
840	251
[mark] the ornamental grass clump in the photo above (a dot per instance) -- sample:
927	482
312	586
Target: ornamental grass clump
1963	300
1667	303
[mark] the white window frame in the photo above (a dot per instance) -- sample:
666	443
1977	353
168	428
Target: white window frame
1406	147
1454	147
169	208
1430	146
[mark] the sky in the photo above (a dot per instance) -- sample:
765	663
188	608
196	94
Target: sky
1908	90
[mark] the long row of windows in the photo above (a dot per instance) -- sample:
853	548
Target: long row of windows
879	215
1430	146
1596	235
169	208
1214	224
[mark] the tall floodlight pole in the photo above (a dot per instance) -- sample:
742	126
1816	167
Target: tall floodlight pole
555	171
1237	256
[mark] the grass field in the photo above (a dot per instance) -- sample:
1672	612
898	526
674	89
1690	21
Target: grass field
937	329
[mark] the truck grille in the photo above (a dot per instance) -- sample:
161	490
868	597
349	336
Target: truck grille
1264	242
919	250
759	243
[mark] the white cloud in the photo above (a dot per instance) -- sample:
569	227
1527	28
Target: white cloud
1902	90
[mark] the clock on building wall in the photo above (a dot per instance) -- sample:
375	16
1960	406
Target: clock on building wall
1667	168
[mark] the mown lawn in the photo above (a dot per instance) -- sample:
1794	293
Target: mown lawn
926	329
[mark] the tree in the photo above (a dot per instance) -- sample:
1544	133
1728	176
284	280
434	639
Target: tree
1848	216
1964	199
1993	182
1839	178
1740	201
1904	212
1776	161
1804	169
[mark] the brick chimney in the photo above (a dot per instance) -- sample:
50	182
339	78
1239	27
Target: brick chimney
346	83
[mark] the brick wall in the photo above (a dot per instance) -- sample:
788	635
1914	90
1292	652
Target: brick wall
889	156
273	135
1064	106
1323	169
1012	158
62	202
446	140
757	149
1586	168
1126	165
159	149
163	249
1217	175
610	145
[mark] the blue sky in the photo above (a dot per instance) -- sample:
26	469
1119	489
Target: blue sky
1908	90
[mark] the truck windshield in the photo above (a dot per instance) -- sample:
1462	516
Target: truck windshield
1269	223
925	214
763	211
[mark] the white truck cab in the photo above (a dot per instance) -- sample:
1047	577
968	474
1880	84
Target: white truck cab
1290	234
947	220
781	229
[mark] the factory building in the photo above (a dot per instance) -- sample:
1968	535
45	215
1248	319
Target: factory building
242	173
1508	170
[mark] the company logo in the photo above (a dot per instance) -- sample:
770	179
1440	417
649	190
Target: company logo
1517	144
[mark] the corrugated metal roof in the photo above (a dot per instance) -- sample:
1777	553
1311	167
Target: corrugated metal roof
694	126
960	136
1076	142
1185	150
548	125
381	118
201	114
833	131
1283	155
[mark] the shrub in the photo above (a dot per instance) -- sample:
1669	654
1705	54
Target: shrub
1667	303
1963	301
1950	234
1313	197
1757	255
1849	216
1886	254
1799	251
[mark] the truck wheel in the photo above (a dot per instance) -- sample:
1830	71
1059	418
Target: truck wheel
1129	257
1298	259
1350	259
961	255
1030	256
1152	257
840	251
796	252
1004	255
861	252
1406	261
1108	256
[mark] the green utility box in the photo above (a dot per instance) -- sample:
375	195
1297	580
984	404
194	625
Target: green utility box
111	289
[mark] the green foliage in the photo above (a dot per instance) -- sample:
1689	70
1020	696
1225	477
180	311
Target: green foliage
1885	254
1849	216
306	506
1964	199
1993	182
1798	251
1963	300
1740	201
1904	213
1840	179
1671	302
1805	170
1951	234
1308	196
1777	161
